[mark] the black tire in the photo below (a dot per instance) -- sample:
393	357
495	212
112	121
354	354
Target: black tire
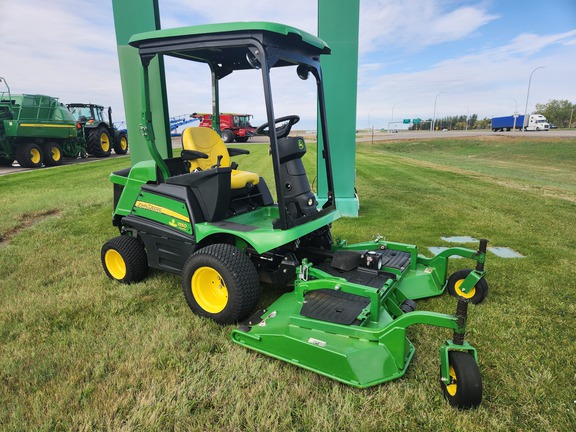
465	389
221	283
242	139
99	142
476	295
124	259
6	162
408	306
52	154
227	136
29	155
121	143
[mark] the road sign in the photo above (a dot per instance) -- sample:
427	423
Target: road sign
406	121
416	121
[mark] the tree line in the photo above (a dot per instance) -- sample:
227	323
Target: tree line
558	112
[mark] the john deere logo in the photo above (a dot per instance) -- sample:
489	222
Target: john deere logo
301	144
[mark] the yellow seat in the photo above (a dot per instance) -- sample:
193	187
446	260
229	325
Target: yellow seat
207	141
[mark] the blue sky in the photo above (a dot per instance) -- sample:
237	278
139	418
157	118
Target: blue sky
470	56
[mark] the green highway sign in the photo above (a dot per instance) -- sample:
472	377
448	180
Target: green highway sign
406	121
416	121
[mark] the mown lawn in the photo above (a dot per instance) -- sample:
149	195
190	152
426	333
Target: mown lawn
79	352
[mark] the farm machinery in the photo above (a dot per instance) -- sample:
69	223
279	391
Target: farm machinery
39	130
101	135
199	215
232	127
36	130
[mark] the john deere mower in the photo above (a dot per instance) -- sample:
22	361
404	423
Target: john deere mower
218	226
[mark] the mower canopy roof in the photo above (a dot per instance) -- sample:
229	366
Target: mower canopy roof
225	44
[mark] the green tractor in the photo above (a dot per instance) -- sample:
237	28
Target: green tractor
200	216
36	130
101	135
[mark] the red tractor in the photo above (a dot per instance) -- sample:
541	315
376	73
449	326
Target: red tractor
232	126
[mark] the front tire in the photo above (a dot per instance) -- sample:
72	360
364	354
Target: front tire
29	155
221	283
227	136
476	295
124	259
465	387
6	162
121	143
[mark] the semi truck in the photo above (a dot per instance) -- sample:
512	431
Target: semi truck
536	122
232	126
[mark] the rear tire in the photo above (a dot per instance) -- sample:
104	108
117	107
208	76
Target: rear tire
29	155
124	259
227	136
99	142
221	283
121	143
52	154
465	389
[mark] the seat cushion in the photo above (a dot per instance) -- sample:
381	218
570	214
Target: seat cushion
208	141
240	179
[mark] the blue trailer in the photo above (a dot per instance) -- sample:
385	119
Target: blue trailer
536	122
501	124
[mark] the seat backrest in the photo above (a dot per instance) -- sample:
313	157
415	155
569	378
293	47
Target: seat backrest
207	141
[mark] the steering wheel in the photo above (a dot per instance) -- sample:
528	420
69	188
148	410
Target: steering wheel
282	130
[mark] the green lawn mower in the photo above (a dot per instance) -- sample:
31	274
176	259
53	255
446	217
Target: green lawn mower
200	216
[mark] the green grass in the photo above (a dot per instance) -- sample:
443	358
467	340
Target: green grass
80	352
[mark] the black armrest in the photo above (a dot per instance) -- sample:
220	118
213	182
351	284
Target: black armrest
236	151
193	154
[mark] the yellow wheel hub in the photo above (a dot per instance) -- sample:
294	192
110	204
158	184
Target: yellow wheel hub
34	155
453	387
105	141
209	290
115	264
123	143
56	154
461	293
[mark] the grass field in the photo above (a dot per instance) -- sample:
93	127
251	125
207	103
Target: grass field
78	352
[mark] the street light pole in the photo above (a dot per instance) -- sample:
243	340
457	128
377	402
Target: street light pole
434	118
393	106
515	114
527	96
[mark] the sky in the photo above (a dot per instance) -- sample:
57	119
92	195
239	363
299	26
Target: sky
460	56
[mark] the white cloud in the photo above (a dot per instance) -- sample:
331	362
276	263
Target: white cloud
416	24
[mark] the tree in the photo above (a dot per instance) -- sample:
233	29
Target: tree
556	111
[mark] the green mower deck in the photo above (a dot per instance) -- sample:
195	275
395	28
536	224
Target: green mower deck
350	324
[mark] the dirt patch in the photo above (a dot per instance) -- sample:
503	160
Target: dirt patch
25	221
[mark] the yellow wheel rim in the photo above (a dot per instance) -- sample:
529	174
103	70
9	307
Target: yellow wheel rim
56	156
453	387
123	143
461	293
34	155
105	141
115	264
209	290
